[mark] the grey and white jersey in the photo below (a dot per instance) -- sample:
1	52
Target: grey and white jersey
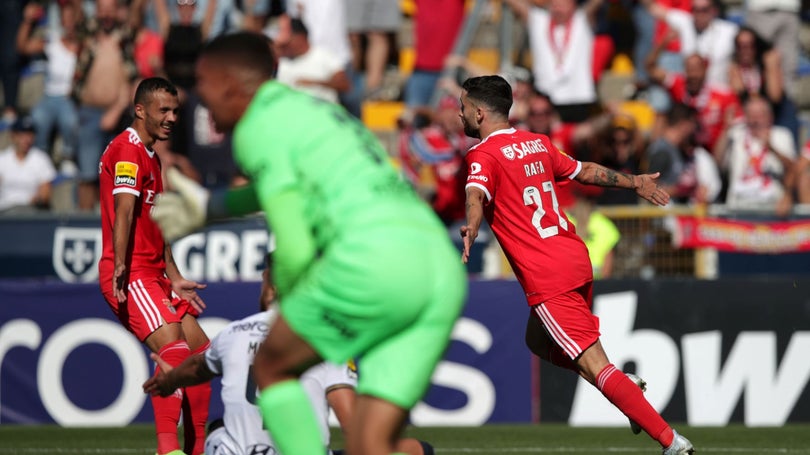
231	356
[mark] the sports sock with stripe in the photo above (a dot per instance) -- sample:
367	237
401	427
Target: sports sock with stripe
167	409
628	397
195	412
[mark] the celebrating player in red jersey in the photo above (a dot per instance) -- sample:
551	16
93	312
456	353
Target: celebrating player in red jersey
512	181
137	274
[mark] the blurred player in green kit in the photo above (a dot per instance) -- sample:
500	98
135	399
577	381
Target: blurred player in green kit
363	267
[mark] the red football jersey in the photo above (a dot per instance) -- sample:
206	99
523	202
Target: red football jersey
519	172
712	103
128	167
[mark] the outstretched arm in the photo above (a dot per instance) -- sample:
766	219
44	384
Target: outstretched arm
774	80
657	73
192	371
644	184
475	215
163	17
208	19
27	44
591	8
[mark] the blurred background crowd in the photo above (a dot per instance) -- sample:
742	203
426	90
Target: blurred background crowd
713	95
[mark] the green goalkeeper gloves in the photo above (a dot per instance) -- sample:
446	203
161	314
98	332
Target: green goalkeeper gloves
183	211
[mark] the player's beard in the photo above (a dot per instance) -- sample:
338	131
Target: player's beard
471	131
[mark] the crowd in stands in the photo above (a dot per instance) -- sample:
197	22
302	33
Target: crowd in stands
724	124
718	92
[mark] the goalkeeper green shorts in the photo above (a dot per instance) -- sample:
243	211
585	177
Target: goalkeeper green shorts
389	296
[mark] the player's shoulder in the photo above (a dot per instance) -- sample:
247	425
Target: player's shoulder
128	138
495	140
125	144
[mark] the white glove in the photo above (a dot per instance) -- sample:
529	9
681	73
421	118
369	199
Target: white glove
182	211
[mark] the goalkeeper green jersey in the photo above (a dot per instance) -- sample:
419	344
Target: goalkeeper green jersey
362	265
287	140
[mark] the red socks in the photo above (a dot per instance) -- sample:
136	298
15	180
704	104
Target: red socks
167	410
629	398
195	413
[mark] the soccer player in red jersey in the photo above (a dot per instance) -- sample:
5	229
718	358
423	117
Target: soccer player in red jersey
137	274
512	181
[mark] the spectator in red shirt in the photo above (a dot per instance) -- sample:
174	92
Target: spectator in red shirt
716	107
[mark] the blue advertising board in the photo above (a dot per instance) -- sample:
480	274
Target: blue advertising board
65	359
713	352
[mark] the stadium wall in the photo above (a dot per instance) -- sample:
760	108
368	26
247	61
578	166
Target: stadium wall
713	352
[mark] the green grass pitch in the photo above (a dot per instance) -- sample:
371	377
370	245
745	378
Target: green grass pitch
488	439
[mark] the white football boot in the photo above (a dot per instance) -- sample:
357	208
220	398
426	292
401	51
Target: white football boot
679	446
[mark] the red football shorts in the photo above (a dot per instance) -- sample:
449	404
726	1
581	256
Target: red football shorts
569	321
150	304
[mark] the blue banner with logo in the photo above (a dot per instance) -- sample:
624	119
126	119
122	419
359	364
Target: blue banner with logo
65	359
713	352
69	249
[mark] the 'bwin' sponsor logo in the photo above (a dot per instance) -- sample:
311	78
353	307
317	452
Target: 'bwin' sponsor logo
124	180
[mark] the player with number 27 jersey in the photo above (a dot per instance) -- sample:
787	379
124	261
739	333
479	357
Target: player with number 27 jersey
512	183
518	171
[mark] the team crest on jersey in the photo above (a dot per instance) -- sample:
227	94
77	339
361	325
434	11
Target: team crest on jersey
76	252
508	152
170	306
126	173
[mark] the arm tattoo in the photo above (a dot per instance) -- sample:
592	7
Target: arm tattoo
606	177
